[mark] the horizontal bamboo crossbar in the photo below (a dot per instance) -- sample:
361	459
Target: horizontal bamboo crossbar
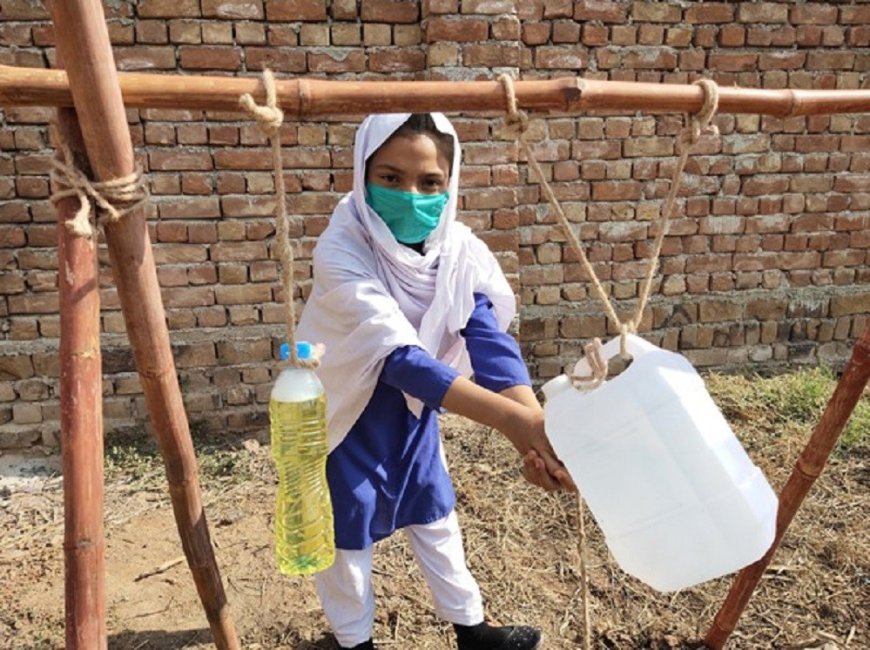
306	98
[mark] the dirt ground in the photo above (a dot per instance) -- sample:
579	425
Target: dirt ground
521	546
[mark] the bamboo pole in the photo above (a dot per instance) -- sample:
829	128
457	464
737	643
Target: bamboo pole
83	44
807	469
81	420
305	98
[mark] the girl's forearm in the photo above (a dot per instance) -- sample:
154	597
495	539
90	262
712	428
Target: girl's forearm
522	394
499	411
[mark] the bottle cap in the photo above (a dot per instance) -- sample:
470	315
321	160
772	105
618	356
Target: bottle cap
303	350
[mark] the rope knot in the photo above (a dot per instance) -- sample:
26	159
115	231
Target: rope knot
113	199
597	367
516	121
268	116
701	122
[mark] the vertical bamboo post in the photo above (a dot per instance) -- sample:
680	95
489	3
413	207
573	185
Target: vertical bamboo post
81	420
83	44
807	469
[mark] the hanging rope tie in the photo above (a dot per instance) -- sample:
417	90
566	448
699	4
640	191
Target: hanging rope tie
114	198
517	122
698	124
269	119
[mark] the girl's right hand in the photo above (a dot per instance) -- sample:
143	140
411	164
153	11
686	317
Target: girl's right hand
541	466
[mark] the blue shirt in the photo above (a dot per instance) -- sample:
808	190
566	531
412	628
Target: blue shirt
388	472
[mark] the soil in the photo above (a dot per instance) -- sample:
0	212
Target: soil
521	545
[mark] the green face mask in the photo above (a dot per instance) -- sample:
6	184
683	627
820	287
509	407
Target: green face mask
410	217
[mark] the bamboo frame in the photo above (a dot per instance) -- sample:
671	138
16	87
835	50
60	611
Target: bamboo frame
83	44
806	470
100	93
305	98
81	420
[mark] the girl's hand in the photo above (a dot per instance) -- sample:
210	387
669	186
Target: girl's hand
518	415
541	466
535	471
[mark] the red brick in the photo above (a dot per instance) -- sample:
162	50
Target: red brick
167	8
210	58
179	160
488	6
658	12
782	61
594	35
650	58
762	12
337	61
732	35
735	62
275	58
143	57
293	10
447	29
606	12
568	58
830	60
397	60
239	9
390	11
566	32
709	12
486	55
816	14
855	15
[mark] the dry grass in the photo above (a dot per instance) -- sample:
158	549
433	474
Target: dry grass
521	545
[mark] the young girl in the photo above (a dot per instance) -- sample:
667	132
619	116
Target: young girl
409	304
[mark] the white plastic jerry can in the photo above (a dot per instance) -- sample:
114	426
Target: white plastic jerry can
669	484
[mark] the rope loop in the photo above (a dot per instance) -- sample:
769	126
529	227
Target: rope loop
516	121
700	123
269	119
113	199
597	367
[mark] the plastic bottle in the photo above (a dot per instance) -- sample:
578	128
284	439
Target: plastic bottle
304	537
669	484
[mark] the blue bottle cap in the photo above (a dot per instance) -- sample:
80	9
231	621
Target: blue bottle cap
303	350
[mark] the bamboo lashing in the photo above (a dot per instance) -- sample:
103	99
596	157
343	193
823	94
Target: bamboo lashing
114	198
83	45
307	98
807	469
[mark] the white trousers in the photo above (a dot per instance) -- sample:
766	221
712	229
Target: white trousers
345	588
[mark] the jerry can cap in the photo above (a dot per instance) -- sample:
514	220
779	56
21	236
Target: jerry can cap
303	350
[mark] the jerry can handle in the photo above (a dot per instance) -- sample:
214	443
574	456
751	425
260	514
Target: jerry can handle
634	345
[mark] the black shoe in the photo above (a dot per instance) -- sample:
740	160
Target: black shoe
485	637
365	645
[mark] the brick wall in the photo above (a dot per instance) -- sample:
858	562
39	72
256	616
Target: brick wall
767	263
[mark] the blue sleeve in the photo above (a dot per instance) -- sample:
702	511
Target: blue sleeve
414	371
495	355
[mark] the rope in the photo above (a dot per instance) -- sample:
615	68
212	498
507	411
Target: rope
518	122
269	119
584	594
114	198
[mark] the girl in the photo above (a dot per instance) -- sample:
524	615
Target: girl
409	304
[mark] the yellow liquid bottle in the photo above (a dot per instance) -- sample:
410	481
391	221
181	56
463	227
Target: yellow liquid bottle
304	537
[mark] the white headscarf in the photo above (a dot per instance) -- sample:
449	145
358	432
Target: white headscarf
372	294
